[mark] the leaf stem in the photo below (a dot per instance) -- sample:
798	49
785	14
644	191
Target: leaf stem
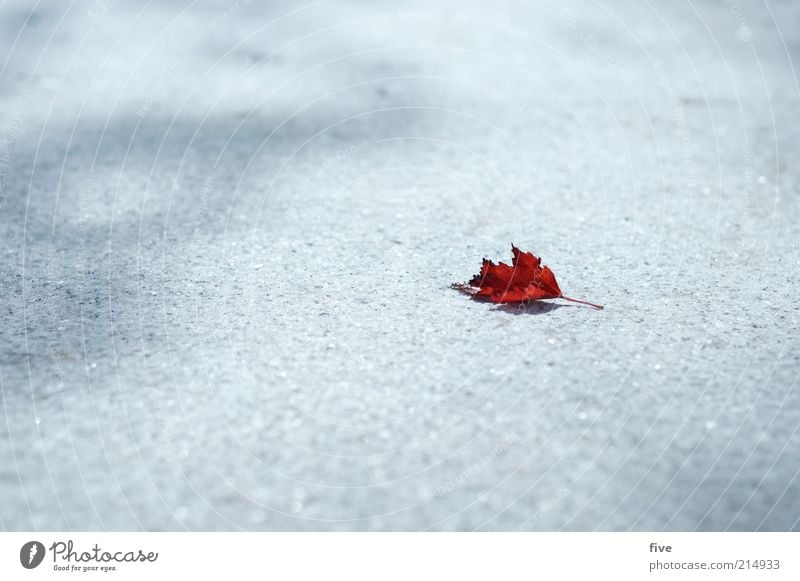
598	307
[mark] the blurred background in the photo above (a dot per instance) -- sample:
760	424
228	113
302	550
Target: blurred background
229	229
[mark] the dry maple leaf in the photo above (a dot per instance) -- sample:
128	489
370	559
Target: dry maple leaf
525	280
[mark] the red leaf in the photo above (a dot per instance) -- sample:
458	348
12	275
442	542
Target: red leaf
525	280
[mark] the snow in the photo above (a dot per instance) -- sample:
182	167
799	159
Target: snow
229	231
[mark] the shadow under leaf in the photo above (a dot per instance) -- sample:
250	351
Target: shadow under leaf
532	308
525	308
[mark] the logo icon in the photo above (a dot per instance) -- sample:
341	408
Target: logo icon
31	554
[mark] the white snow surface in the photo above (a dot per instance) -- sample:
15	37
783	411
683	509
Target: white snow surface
229	229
